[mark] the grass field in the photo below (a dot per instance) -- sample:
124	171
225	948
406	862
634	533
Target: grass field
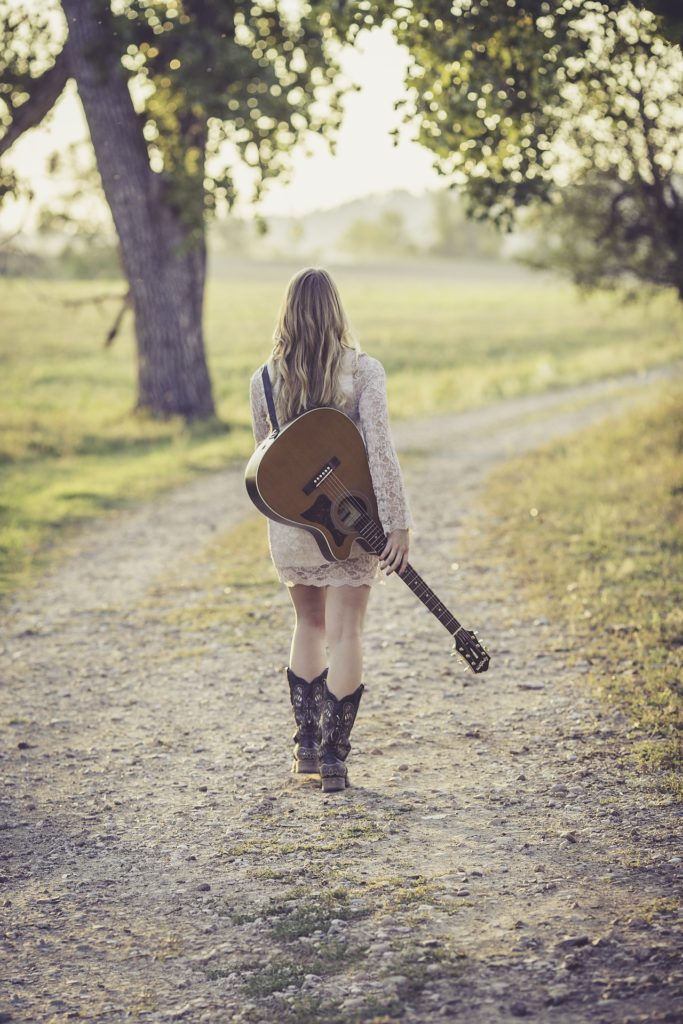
593	531
71	448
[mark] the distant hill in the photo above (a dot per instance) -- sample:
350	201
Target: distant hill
391	229
392	225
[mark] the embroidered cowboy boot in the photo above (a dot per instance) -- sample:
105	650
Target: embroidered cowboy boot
306	701
336	723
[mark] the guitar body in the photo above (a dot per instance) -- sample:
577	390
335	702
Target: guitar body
314	474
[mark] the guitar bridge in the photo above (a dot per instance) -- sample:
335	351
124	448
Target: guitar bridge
321	512
321	476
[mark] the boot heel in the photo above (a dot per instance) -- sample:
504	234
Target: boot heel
336	721
332	783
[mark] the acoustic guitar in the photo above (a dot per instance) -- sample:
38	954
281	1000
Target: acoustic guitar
313	473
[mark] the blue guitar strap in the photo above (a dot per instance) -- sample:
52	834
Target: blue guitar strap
268	390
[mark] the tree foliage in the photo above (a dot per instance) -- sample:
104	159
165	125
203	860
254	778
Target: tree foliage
497	84
520	100
215	83
580	235
618	217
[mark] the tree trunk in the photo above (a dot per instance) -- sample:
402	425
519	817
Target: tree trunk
164	261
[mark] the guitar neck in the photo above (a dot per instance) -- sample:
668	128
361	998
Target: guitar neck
374	535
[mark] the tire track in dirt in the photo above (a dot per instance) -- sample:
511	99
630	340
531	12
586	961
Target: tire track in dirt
494	859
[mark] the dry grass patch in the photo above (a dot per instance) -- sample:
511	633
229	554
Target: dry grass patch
592	527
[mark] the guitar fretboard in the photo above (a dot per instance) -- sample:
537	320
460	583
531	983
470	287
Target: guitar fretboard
374	535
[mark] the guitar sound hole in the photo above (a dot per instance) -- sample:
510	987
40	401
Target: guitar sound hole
346	512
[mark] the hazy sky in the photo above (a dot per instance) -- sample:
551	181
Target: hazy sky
366	160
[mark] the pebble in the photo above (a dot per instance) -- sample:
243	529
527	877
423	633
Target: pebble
395	980
519	1009
556	996
572	941
353	1003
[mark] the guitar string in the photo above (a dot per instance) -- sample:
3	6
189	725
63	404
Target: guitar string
422	587
371	531
468	640
411	576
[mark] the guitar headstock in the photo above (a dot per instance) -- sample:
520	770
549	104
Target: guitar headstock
467	645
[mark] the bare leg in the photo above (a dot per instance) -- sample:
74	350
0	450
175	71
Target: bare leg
344	619
307	656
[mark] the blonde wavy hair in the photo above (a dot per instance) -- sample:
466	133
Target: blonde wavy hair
310	339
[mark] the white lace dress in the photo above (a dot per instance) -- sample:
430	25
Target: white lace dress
295	554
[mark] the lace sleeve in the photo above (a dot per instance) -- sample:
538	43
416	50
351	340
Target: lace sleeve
392	503
259	409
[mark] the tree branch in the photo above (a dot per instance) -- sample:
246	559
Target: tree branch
114	329
657	184
48	89
612	215
97	300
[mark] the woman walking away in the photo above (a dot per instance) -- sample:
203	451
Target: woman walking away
316	362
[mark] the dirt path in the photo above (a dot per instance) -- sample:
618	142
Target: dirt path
494	860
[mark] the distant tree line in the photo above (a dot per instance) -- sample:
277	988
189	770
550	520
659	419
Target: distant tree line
451	234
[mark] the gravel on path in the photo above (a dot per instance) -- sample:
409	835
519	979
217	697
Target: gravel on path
495	858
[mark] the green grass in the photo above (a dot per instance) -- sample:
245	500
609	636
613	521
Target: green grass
307	909
593	529
72	449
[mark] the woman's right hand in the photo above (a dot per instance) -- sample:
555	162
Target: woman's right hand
394	558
